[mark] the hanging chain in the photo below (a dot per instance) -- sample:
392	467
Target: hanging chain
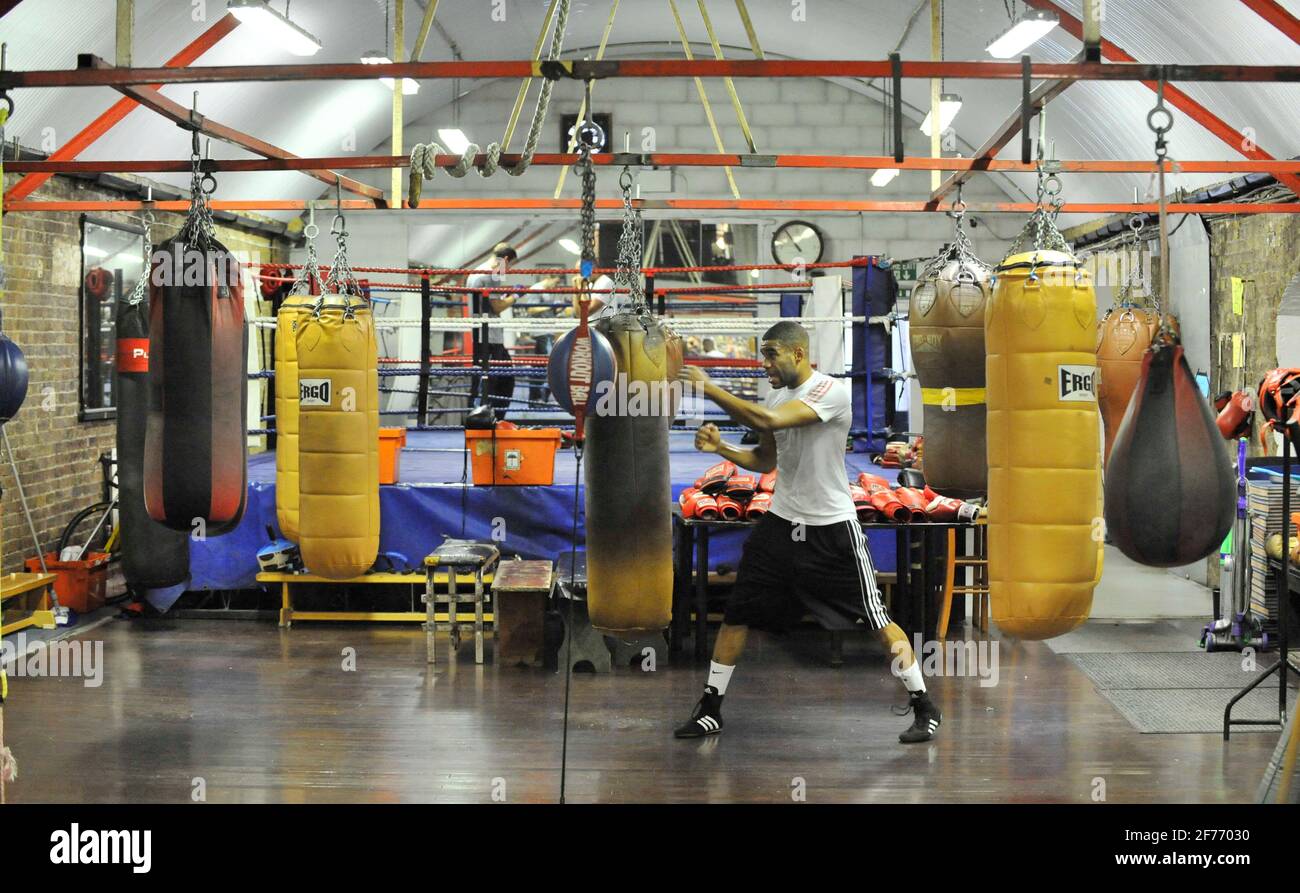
142	284
1161	126
199	229
588	174
630	245
341	280
960	251
310	271
1040	232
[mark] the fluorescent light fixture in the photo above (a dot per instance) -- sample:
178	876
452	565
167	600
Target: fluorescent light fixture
570	246
454	139
93	251
374	57
754	274
949	106
884	176
275	26
1027	29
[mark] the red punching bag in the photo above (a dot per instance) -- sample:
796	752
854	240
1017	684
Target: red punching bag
195	451
1170	487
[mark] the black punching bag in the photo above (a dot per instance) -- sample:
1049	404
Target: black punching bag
196	447
153	556
1170	489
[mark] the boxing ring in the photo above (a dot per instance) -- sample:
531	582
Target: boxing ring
431	501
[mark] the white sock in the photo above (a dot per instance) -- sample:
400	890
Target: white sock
719	676
913	681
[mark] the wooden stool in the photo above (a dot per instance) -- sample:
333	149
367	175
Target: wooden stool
457	556
979	588
519	593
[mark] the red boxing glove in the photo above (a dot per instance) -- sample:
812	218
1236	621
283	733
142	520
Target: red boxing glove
948	510
729	509
740	487
698	505
767	483
714	480
871	483
914	500
862	502
887	504
760	505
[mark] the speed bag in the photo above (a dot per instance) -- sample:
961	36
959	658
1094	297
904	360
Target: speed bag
1040	329
153	556
196	452
338	439
1122	339
628	488
565	367
291	314
947	341
1171	492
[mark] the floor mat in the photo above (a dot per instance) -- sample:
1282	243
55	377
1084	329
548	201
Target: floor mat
1166	711
1168	670
1181	692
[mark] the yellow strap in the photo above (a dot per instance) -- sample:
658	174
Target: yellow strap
952	396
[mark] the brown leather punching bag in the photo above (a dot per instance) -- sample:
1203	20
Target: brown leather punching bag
1170	488
947	341
1123	336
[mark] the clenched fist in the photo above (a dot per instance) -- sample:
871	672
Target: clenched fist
708	438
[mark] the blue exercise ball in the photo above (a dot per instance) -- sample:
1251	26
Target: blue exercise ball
603	367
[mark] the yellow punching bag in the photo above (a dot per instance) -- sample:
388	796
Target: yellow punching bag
291	314
629	529
1043	444
338	438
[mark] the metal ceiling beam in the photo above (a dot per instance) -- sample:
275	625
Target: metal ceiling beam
671	204
6	6
123	107
192	120
1039	96
662	160
1273	13
1177	98
582	69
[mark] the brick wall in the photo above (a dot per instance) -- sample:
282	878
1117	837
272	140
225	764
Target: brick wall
55	452
1264	248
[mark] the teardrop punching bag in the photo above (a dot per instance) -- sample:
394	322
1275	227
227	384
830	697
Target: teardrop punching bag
154	556
1170	490
947	341
628	488
1122	339
338	438
195	442
1044	445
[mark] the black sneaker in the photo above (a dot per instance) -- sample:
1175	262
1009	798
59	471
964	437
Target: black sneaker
707	718
925	721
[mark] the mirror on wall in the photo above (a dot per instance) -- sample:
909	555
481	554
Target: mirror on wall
112	261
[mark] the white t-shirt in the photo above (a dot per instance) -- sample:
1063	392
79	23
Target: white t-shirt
812	485
489	278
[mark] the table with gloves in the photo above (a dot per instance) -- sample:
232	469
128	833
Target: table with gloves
726	501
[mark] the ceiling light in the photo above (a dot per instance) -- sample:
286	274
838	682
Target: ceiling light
884	176
754	274
1027	29
570	246
949	106
454	139
274	25
374	57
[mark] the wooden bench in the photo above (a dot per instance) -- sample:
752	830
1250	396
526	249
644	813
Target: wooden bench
519	595
416	580
27	598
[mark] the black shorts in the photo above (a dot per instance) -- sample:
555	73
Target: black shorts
788	569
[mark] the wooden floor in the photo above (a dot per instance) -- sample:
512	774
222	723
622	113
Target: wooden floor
264	715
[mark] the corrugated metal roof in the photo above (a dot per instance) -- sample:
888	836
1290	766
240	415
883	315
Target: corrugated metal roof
1089	120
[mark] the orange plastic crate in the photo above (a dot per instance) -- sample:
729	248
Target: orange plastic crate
522	456
391	441
81	585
